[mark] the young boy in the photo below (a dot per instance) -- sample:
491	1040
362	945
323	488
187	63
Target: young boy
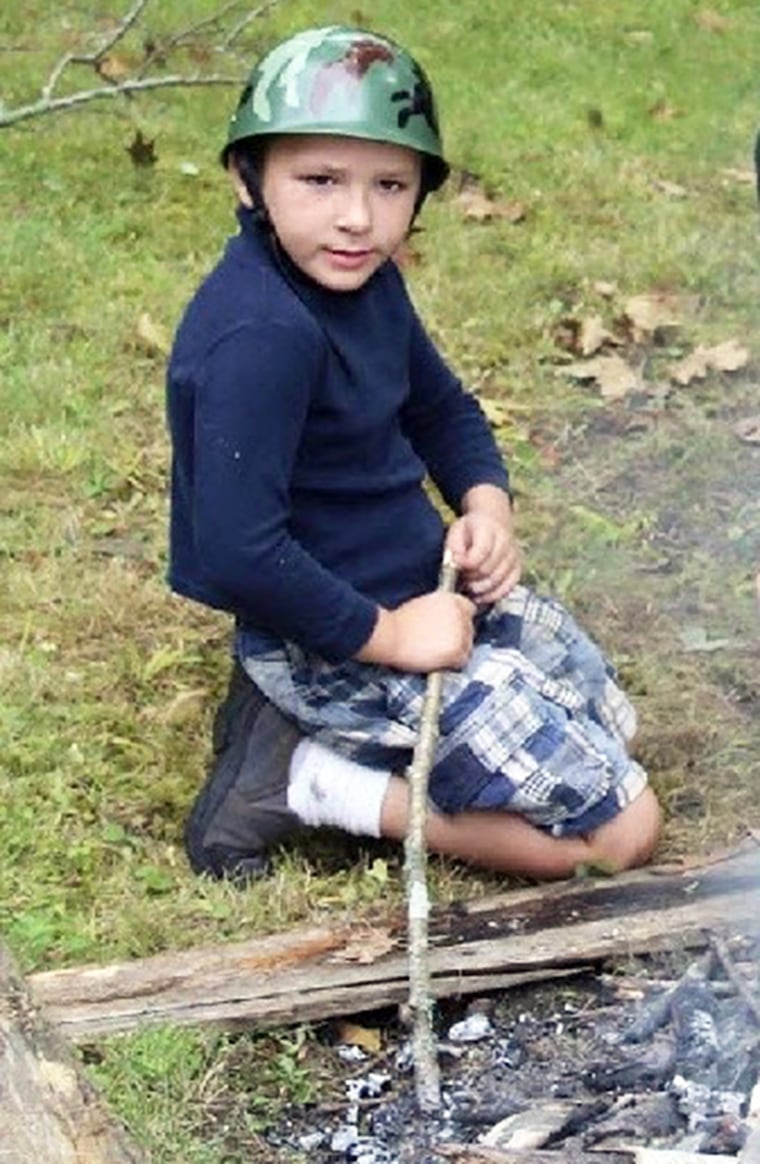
306	406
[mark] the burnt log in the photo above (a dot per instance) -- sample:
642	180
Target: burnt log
475	947
48	1110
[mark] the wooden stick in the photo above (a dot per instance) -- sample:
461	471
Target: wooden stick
427	1076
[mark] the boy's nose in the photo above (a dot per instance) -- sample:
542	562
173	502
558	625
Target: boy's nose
355	214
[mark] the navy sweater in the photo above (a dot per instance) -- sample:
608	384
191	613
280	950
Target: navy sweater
303	422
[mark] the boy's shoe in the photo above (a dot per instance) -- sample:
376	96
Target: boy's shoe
242	810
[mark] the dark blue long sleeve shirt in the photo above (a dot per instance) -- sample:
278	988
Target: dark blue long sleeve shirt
303	422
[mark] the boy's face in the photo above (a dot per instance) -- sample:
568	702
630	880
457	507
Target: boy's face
340	206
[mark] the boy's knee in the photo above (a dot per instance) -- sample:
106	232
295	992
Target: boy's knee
629	840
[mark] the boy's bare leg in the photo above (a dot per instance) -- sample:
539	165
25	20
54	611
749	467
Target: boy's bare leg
507	843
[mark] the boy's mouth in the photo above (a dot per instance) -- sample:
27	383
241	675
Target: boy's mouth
349	259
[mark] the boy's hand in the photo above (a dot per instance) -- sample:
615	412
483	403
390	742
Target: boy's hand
483	544
430	633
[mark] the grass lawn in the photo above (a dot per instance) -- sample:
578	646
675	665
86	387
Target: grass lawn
623	130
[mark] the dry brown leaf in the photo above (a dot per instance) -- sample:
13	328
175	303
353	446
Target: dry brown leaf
711	21
651	313
476	204
151	336
593	335
748	429
662	110
695	366
114	68
353	1035
614	376
604	288
365	947
728	356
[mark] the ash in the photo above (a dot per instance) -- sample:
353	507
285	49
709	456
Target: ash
663	1055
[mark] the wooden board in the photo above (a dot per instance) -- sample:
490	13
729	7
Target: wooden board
49	1113
476	947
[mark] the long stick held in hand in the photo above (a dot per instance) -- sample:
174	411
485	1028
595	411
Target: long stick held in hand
427	1077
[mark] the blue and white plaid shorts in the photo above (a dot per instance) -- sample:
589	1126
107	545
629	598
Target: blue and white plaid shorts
534	724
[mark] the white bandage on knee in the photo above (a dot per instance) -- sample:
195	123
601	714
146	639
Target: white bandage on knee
327	790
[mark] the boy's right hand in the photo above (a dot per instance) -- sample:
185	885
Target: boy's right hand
430	633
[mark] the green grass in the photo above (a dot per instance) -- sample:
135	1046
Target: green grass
107	682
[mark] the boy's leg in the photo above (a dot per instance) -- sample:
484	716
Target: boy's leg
507	843
242	810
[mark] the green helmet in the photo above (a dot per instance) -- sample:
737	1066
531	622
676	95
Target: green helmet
343	81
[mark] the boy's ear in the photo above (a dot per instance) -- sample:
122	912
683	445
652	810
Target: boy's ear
238	185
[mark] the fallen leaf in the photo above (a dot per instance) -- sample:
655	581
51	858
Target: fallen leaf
142	150
151	336
353	1035
711	21
748	429
583	337
113	68
692	367
592	336
728	356
366	947
651	313
614	376
662	110
476	204
605	288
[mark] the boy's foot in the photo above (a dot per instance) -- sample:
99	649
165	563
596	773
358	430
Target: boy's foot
242	810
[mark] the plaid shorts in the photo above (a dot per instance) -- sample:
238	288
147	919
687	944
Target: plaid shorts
534	724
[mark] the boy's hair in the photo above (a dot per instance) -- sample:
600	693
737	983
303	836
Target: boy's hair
342	82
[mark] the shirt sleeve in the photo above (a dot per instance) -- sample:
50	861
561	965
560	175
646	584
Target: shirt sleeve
447	426
251	406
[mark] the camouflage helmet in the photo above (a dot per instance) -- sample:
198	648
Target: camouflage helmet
343	81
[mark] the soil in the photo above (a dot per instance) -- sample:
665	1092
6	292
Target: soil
675	599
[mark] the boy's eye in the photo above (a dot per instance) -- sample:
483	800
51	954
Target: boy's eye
392	185
317	179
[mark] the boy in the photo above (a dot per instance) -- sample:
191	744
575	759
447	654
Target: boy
306	405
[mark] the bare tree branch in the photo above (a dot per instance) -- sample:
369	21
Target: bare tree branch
427	1076
51	105
126	86
240	27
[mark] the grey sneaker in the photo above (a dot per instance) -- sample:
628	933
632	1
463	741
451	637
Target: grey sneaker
242	810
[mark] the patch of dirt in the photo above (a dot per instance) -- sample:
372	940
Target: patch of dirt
649	529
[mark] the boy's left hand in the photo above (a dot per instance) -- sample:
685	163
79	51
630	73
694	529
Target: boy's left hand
486	553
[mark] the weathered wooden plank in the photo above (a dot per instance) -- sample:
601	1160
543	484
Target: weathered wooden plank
481	1154
49	1113
314	974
